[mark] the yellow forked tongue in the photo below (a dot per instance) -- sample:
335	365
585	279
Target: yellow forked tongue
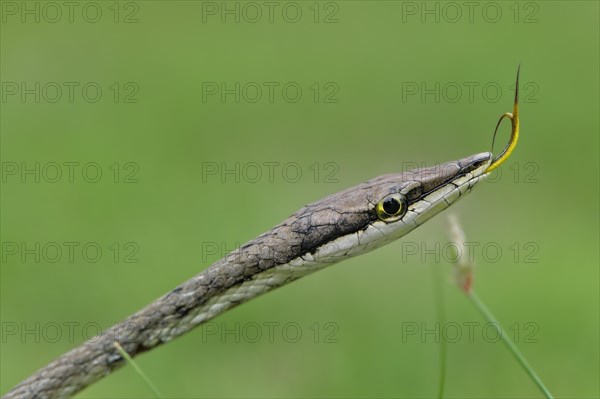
514	136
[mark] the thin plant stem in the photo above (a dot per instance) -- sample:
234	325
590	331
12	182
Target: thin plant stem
463	269
441	316
487	314
130	360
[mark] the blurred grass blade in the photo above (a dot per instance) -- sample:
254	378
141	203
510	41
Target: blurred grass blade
138	370
509	343
463	270
438	292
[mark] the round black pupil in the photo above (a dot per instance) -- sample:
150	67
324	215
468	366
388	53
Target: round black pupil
391	206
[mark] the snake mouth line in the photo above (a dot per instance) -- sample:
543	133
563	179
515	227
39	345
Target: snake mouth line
476	167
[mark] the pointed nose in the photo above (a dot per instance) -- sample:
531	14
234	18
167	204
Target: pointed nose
474	162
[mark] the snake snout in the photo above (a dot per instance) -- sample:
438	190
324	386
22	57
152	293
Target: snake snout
475	162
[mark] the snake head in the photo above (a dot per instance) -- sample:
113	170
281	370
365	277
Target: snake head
380	210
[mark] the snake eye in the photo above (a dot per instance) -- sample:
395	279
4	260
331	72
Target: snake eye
391	208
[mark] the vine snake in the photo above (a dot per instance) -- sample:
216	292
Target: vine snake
349	223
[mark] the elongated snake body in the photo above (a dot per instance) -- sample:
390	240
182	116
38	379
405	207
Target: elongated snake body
349	223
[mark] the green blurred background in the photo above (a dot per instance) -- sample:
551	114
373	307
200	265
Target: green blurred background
157	125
